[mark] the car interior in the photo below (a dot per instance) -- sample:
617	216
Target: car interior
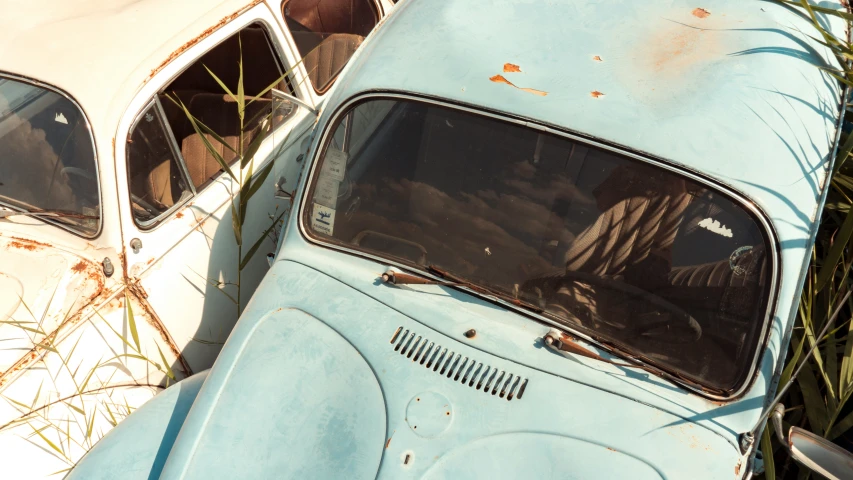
327	33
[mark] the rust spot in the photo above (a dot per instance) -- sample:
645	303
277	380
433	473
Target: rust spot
501	79
81	265
596	94
179	215
611	449
27	244
701	13
597	58
114	144
511	68
388	443
737	468
206	33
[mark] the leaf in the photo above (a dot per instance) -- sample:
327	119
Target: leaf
813	400
259	242
829	11
832	258
259	179
236	224
131	322
36	398
255	145
47	440
221	83
89	424
169	371
207	145
20	404
75	408
241	95
767	453
82	387
206	129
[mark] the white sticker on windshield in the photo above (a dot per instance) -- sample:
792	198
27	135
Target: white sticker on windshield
327	192
323	219
716	227
334	164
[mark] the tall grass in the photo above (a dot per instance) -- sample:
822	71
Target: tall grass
819	400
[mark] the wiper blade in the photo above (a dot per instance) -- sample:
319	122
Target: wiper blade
46	213
558	340
398	278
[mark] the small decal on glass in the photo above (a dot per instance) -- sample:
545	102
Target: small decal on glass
327	192
734	258
323	219
60	118
716	227
334	164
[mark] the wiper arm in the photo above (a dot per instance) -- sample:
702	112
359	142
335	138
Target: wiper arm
398	278
562	342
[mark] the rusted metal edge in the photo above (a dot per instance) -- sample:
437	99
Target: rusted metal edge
206	33
154	320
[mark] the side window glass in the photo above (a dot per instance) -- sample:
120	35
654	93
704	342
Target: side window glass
199	90
327	33
47	158
157	180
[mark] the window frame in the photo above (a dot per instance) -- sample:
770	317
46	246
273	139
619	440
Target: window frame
278	55
95	157
158	108
741	200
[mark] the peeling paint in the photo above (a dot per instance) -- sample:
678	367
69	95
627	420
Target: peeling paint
501	79
511	68
596	94
597	58
701	13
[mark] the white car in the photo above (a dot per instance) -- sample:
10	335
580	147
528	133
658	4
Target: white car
118	262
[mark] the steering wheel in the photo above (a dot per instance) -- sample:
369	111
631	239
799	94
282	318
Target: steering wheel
647	328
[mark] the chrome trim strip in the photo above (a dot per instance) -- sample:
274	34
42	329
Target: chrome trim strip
740	198
57	90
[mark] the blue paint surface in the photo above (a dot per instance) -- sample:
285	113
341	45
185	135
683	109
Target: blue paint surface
310	383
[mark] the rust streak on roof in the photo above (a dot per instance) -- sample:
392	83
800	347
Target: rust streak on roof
206	33
501	79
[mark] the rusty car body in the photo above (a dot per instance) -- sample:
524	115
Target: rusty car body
118	264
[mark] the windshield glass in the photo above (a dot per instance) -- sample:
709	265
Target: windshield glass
624	250
47	161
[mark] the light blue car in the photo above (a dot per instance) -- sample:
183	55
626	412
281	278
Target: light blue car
558	239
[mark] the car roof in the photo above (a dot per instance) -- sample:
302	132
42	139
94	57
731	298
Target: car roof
725	88
102	51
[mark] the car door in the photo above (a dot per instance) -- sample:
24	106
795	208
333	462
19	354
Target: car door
178	228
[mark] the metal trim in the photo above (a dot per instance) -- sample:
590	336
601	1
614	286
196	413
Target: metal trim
173	143
742	200
96	158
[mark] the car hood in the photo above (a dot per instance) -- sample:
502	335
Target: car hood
321	380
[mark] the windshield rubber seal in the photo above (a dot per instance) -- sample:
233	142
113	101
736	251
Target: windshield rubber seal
770	307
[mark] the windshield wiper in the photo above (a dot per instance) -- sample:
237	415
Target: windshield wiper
559	340
399	278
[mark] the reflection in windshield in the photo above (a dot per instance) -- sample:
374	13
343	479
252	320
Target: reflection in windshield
47	162
624	250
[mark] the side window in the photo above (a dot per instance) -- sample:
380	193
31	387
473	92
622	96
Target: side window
327	33
157	181
193	166
47	157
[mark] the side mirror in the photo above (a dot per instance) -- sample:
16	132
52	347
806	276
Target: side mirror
812	451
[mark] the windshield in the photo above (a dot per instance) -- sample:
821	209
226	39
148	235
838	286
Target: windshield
47	161
626	251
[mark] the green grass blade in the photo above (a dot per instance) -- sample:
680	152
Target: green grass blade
221	83
169	371
131	322
830	261
767	451
260	242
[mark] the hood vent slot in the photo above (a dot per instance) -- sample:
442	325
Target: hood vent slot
457	367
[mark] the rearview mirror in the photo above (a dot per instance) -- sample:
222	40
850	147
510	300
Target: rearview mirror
819	454
812	451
